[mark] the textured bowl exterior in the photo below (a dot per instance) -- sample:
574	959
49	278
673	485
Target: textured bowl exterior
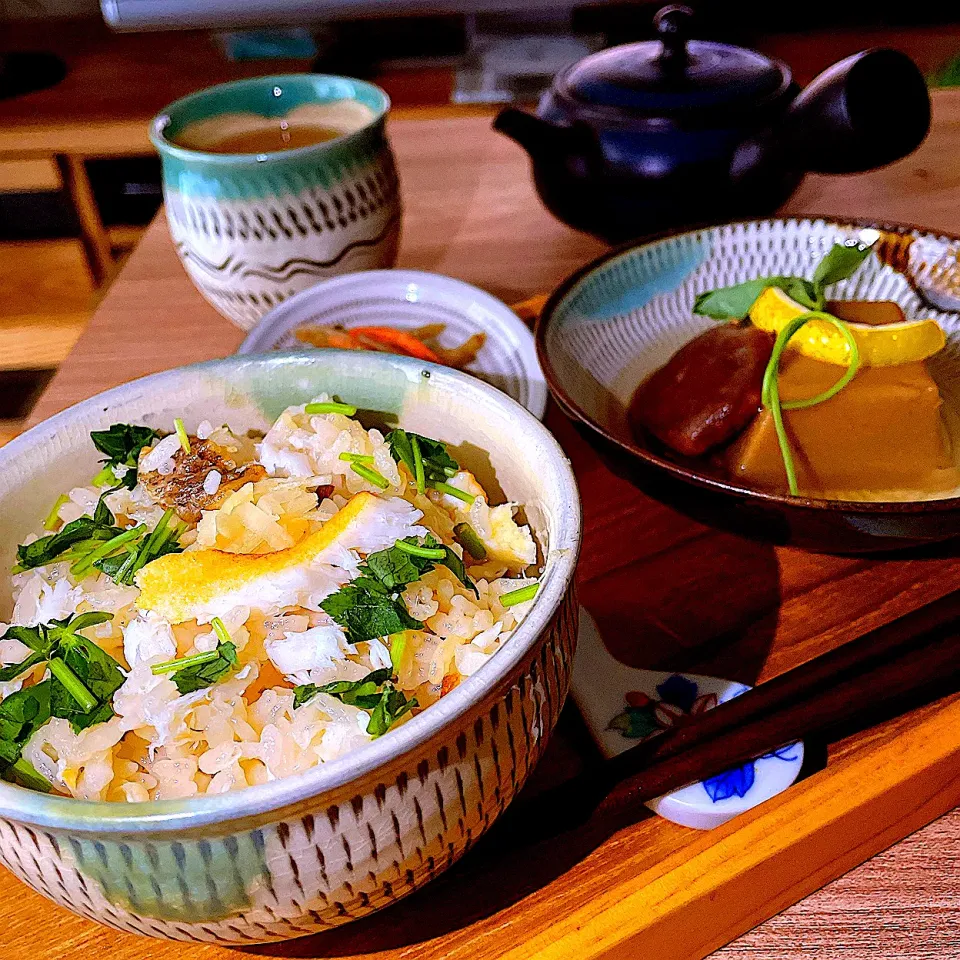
252	232
306	853
613	323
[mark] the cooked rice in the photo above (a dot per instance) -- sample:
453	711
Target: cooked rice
244	729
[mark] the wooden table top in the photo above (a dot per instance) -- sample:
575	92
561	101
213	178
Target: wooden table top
471	213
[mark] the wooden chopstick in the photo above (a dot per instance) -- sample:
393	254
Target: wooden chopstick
904	664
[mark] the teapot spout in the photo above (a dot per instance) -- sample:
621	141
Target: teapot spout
535	135
861	113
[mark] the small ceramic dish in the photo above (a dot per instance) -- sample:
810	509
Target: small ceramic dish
623	705
308	852
413	298
620	318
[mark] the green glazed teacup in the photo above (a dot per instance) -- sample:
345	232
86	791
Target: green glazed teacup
252	229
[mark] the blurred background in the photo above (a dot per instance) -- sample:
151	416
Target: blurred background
79	82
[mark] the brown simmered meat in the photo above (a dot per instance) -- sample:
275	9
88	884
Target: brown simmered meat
708	391
184	488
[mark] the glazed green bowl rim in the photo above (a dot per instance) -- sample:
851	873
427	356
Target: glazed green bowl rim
257	802
688	474
158	125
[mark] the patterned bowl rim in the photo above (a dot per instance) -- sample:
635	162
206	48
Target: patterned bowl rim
66	813
687	474
166	147
272	324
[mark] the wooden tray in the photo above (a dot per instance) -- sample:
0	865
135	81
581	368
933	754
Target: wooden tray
693	598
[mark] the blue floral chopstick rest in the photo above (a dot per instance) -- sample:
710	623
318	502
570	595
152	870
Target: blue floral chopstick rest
623	705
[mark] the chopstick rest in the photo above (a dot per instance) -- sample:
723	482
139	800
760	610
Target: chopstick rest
903	665
624	705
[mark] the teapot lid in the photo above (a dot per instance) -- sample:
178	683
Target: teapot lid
674	75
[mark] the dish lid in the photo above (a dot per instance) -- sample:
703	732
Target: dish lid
675	75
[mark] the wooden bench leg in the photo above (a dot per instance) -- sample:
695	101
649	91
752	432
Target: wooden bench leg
93	236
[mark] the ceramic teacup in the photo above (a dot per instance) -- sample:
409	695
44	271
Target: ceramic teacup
252	229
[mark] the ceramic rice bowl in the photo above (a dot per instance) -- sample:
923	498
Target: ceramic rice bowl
309	852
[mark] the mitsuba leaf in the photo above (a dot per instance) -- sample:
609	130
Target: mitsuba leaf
14	670
98	671
357	693
46	550
392	706
394	568
843	260
734	303
375	692
21	715
455	565
437	462
204	675
367	614
122	444
95	668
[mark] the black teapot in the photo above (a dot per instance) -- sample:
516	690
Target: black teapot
673	132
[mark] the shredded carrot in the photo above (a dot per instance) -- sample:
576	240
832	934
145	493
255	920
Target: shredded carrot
399	339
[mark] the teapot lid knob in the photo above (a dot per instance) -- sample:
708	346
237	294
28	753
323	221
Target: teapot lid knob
672	24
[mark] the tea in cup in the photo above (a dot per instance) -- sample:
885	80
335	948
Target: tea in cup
276	183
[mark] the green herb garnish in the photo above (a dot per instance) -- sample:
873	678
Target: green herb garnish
770	393
370	475
371	607
366	458
415	550
375	692
521	595
331	406
469	539
97	529
84	677
182	434
95	542
201	670
734	303
419	474
435	463
367	613
408	560
122	445
52	519
467	498
21	715
122	567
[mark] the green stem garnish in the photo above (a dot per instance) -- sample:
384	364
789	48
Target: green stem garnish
105	477
469	539
220	629
454	492
196	660
72	684
522	595
330	407
82	567
52	520
366	458
370	475
24	773
398	644
182	434
770	391
418	474
415	550
159	535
